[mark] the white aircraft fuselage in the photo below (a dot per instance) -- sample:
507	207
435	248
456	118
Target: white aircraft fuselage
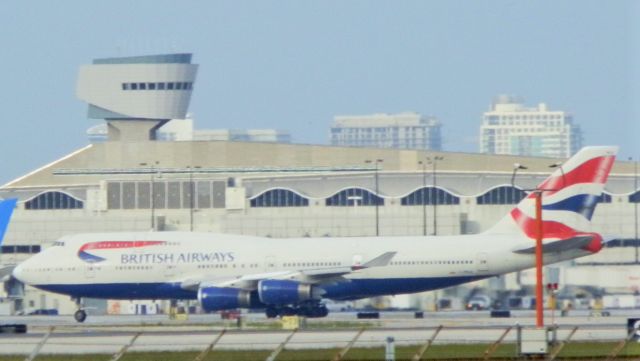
160	268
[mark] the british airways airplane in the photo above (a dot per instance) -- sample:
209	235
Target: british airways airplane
293	276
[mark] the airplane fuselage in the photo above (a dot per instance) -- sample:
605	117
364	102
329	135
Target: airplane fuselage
159	265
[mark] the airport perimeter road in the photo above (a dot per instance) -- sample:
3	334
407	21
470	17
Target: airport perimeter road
107	334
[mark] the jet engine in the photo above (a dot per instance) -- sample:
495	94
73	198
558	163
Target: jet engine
285	292
224	298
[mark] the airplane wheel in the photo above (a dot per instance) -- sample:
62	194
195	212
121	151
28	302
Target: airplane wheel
323	311
319	312
289	311
80	315
271	312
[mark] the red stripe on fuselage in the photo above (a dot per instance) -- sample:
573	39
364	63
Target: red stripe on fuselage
118	244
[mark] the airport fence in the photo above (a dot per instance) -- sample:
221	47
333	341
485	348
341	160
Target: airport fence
590	341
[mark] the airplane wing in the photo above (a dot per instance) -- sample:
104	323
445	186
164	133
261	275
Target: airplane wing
311	276
560	245
5	272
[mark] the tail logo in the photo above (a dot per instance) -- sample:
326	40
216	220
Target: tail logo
568	199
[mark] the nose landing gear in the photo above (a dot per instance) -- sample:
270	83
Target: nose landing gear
80	315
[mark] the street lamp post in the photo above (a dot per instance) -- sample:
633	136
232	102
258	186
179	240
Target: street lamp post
377	204
151	191
537	192
434	193
635	208
191	195
424	198
635	205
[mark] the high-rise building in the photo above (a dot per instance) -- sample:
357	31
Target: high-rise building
404	131
511	128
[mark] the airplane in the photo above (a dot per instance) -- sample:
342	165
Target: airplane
292	276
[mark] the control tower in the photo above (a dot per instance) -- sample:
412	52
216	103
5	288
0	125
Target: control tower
137	95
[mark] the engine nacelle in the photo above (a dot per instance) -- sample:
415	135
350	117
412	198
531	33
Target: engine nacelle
284	292
225	298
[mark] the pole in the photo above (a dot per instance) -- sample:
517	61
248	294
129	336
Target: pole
635	206
377	202
435	198
539	300
390	349
151	192
191	199
153	200
424	199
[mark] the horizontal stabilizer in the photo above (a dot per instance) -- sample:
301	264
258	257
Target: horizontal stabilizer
560	245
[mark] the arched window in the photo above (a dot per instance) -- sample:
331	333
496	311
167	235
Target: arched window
429	195
53	200
279	198
634	197
502	195
353	197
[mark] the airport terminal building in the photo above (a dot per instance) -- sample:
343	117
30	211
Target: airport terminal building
134	182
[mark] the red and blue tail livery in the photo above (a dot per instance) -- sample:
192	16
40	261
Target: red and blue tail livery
569	199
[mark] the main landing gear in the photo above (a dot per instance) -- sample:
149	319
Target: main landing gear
313	310
80	315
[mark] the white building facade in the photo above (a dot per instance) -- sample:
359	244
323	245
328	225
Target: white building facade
400	131
511	128
180	130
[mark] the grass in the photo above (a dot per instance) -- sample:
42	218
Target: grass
573	351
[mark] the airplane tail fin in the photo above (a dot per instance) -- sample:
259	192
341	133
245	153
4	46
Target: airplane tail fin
6	210
569	198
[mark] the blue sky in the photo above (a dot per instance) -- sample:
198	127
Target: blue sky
293	65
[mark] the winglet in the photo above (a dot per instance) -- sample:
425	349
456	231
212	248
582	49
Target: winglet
6	209
380	261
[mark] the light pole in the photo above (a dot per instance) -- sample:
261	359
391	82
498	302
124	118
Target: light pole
424	198
377	204
537	192
191	195
434	193
151	191
635	207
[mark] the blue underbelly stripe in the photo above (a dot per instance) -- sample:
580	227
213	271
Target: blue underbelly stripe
348	290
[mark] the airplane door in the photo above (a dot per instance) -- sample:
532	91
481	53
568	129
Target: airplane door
482	262
270	264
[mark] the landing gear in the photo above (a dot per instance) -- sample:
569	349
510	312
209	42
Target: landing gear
271	312
311	310
80	315
315	311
